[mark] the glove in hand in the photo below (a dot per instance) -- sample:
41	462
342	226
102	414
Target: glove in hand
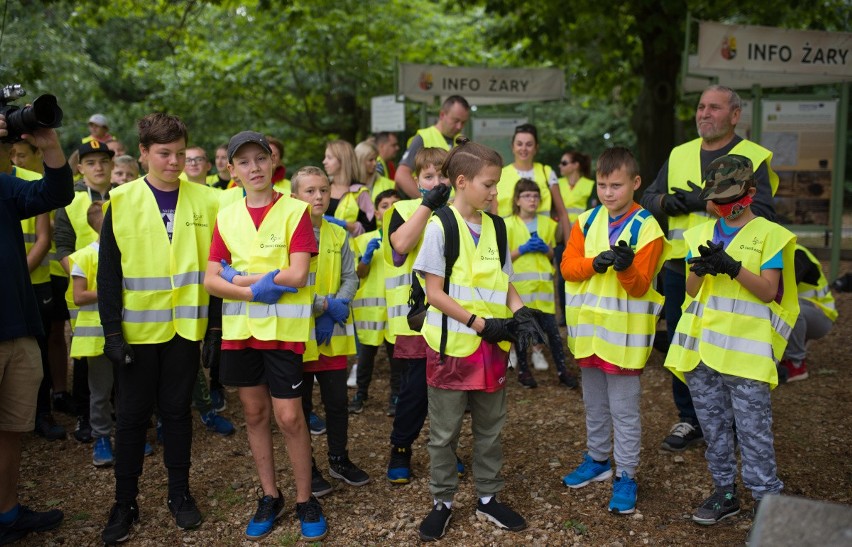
722	262
211	348
692	197
700	266
603	261
117	350
525	327
228	273
338	309
673	205
335	220
437	197
324	328
267	291
495	331
624	256
372	246
528	247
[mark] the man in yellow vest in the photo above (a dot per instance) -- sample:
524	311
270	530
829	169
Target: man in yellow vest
155	241
674	198
451	120
388	145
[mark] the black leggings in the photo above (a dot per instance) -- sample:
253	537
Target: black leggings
366	363
334	400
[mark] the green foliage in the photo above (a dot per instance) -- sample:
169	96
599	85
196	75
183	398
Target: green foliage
578	527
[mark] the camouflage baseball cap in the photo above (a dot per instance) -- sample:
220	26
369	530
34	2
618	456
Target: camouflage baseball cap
727	178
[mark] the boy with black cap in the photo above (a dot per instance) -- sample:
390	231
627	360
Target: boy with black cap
259	264
741	305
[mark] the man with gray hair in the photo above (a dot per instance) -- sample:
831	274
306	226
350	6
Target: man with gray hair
674	198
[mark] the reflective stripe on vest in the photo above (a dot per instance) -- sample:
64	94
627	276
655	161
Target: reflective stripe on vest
369	307
820	294
398	278
533	277
576	199
88	334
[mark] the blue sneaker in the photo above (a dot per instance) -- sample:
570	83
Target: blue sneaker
314	526
217	424
269	510
589	471
399	466
148	449
102	452
459	467
623	500
218	400
317	424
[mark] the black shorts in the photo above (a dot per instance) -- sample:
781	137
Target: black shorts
59	285
281	370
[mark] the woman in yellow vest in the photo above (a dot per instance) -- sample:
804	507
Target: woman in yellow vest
259	264
531	240
817	314
368	155
351	206
739	311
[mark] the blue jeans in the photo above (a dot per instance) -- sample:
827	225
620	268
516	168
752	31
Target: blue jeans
675	292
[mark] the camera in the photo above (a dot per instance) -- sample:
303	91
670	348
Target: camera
44	112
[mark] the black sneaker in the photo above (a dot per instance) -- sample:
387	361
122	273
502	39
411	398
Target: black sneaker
501	515
121	518
341	467
723	503
83	430
63	402
434	526
526	379
356	405
29	521
568	380
319	486
186	513
391	410
399	466
682	436
46	426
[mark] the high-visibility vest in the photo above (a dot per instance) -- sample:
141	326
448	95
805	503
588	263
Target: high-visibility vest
258	251
820	294
163	287
212	179
230	196
380	185
398	278
385	169
602	318
283	187
347	208
28	226
77	215
725	326
326	267
576	198
506	188
685	166
88	334
432	138
477	283
533	271
369	305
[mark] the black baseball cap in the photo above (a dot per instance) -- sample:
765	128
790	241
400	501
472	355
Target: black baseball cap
92	147
246	137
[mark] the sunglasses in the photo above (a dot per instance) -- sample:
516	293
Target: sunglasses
563	163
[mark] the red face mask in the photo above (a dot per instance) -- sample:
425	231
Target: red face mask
734	209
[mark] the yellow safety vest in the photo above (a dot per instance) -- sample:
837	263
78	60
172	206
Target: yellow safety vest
258	251
385	169
576	198
88	334
76	212
533	271
602	318
398	278
28	226
506	188
477	283
381	184
163	291
212	179
685	166
347	207
326	267
725	326
283	186
230	196
369	305
432	138
820	294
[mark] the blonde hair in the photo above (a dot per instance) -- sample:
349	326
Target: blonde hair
350	169
364	151
304	172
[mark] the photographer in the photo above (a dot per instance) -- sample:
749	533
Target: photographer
20	364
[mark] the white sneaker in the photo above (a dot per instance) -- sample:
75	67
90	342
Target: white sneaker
353	376
513	358
538	360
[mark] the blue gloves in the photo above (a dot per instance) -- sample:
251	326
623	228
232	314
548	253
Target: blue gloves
334	220
267	291
338	309
323	328
534	245
371	248
228	273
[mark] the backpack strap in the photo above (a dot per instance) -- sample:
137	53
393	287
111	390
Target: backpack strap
591	219
502	238
636	225
451	253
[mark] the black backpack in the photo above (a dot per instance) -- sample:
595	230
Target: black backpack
417	298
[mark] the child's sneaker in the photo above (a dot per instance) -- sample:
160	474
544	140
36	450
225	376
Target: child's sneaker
218	400
102	452
434	526
341	467
314	526
538	360
682	436
500	514
568	380
795	372
356	405
269	510
588	471
352	381
623	500
148	450
316	424
217	424
319	486
391	410
526	379
399	466
723	503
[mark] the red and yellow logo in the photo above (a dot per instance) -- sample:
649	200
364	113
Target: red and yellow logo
425	81
729	47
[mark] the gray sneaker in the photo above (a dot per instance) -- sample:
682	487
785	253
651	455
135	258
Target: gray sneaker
723	503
